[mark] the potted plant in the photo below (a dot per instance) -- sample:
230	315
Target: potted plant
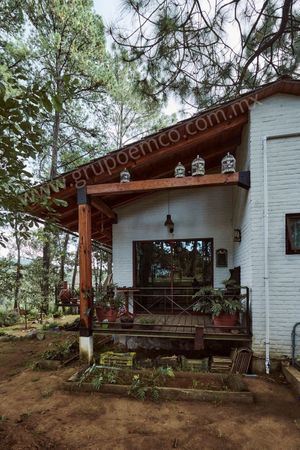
127	320
107	304
223	305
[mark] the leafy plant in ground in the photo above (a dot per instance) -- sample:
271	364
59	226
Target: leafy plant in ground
50	326
147	385
8	318
61	351
98	376
138	389
97	382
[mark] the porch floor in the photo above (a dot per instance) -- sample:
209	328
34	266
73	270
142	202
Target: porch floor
181	326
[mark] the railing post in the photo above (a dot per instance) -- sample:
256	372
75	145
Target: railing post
85	275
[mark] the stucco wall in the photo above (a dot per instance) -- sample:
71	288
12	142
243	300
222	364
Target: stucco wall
277	115
197	213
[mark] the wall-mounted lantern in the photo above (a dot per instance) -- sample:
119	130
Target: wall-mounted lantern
221	257
237	235
124	176
179	171
198	166
228	163
169	223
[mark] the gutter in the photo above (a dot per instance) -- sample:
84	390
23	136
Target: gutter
266	241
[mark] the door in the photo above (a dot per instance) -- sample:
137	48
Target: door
169	272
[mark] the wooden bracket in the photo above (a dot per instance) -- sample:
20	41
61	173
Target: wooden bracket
101	206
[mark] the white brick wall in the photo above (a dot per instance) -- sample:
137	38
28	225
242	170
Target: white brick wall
277	115
242	216
197	213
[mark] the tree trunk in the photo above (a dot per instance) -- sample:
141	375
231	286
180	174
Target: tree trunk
75	268
64	257
45	285
54	153
18	267
47	235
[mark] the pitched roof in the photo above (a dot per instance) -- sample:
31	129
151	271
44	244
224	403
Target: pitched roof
210	133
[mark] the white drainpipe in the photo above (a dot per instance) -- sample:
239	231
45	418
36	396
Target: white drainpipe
266	241
266	256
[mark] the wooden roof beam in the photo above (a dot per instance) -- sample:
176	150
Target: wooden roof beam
101	206
241	179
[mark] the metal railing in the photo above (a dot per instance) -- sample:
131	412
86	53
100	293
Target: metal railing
180	301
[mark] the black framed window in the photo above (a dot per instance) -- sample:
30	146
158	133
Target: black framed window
292	233
181	263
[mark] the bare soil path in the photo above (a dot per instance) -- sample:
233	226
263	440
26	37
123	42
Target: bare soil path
36	414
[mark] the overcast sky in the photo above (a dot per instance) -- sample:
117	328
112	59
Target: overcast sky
108	10
111	11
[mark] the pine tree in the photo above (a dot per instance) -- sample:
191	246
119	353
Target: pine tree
206	51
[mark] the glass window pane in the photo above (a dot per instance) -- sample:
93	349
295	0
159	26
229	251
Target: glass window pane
293	233
296	233
174	263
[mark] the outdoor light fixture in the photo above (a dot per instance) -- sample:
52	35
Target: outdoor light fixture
169	223
179	171
198	166
237	235
228	163
124	176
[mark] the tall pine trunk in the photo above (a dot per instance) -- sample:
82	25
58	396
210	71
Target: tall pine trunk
63	257
45	285
18	267
47	234
75	268
54	153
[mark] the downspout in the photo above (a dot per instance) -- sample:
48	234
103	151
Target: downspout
266	241
266	256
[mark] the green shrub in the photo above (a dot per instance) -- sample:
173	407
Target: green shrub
8	318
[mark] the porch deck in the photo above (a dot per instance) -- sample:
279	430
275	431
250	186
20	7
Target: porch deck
181	326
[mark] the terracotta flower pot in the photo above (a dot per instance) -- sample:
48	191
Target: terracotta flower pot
127	322
226	320
109	314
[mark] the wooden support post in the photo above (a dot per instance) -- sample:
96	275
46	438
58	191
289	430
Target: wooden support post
85	273
199	341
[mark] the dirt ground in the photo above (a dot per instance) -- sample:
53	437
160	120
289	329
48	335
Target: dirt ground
36	414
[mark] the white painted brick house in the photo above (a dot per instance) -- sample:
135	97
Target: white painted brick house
261	129
216	211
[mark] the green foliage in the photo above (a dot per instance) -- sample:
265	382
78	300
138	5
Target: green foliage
68	51
99	376
98	382
146	386
138	389
8	318
110	299
61	350
50	326
63	100
216	301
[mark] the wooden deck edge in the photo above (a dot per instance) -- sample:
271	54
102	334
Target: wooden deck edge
170	335
166	393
